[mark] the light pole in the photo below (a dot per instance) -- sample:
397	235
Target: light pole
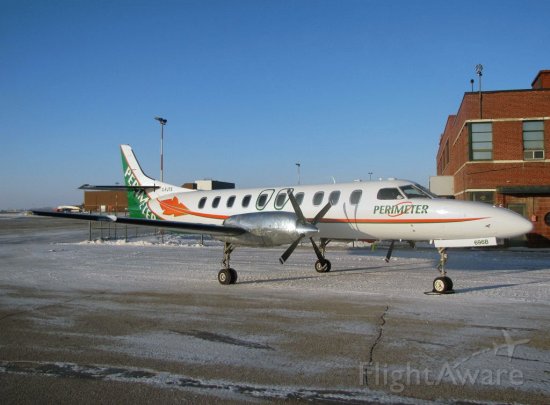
298	166
370	176
162	124
479	72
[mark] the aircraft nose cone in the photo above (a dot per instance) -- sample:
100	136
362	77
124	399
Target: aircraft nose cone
514	225
523	225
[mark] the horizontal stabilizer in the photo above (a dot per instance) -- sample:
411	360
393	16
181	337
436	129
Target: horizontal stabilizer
206	229
91	187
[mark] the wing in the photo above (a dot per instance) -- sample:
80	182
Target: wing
206	229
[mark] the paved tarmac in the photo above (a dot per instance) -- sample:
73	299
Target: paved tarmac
81	323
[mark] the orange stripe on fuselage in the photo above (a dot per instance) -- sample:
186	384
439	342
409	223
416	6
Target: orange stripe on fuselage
399	221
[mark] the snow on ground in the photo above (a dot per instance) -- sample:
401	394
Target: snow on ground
283	324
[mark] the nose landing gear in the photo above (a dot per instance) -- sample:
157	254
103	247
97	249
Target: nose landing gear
443	284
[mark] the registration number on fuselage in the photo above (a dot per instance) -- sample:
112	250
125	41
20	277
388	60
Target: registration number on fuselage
479	242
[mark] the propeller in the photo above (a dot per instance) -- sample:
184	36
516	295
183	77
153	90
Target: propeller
306	226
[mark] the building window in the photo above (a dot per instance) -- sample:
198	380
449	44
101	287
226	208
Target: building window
483	196
481	141
533	140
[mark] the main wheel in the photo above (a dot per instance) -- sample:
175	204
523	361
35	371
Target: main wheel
449	283
443	285
233	276
322	266
225	276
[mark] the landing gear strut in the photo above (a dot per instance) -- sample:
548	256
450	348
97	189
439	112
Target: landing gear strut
227	275
322	265
442	284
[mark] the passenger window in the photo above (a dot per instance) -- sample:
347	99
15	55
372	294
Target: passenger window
202	203
264	198
389	194
216	202
281	199
246	200
230	201
262	201
299	198
318	198
355	197
334	197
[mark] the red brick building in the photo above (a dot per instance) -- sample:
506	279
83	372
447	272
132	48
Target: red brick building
497	150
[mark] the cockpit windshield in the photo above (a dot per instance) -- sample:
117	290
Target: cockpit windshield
416	191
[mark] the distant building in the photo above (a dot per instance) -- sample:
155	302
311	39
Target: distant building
496	150
213	185
105	201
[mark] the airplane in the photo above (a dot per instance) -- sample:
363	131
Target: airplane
390	210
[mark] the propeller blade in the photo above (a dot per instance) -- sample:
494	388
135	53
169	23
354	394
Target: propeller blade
317	250
305	224
390	251
284	257
296	207
321	213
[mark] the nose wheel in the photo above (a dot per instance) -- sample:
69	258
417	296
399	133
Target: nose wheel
442	284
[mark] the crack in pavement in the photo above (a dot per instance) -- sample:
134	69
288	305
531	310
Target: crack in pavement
376	341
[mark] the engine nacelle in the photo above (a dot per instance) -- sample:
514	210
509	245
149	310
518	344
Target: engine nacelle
268	228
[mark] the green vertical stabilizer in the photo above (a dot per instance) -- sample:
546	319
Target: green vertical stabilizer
137	199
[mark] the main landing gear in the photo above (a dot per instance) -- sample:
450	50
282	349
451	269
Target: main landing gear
322	265
443	284
227	275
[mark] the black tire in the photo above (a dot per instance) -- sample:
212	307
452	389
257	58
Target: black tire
449	283
225	277
233	276
442	285
322	266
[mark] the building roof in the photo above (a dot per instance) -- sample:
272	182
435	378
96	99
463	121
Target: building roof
544	83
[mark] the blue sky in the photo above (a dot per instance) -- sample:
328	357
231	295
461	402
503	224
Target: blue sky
249	88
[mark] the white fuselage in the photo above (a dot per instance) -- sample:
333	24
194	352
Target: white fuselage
378	210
